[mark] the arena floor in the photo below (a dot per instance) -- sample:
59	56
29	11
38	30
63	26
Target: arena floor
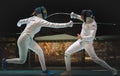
57	73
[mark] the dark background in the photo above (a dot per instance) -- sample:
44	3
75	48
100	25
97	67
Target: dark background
105	11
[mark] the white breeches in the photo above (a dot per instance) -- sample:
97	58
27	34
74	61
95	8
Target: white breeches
24	43
88	46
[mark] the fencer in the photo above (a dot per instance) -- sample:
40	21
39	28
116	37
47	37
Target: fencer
25	40
85	41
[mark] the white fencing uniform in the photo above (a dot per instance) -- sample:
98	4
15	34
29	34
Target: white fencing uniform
25	41
88	33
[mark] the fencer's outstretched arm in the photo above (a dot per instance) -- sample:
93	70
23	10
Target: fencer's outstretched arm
75	16
45	23
22	21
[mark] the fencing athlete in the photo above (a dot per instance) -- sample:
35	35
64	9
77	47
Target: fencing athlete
25	41
85	41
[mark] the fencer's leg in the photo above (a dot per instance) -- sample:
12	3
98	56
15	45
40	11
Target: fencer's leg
36	48
67	61
23	50
90	50
75	47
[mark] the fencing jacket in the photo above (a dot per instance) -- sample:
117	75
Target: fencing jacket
88	31
35	23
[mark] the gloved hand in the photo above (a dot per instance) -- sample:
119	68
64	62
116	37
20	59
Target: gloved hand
22	21
74	16
19	24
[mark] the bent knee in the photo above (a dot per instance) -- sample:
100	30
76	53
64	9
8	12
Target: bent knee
22	61
67	54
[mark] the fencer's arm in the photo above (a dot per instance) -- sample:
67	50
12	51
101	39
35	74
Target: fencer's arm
75	16
21	22
92	34
45	23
